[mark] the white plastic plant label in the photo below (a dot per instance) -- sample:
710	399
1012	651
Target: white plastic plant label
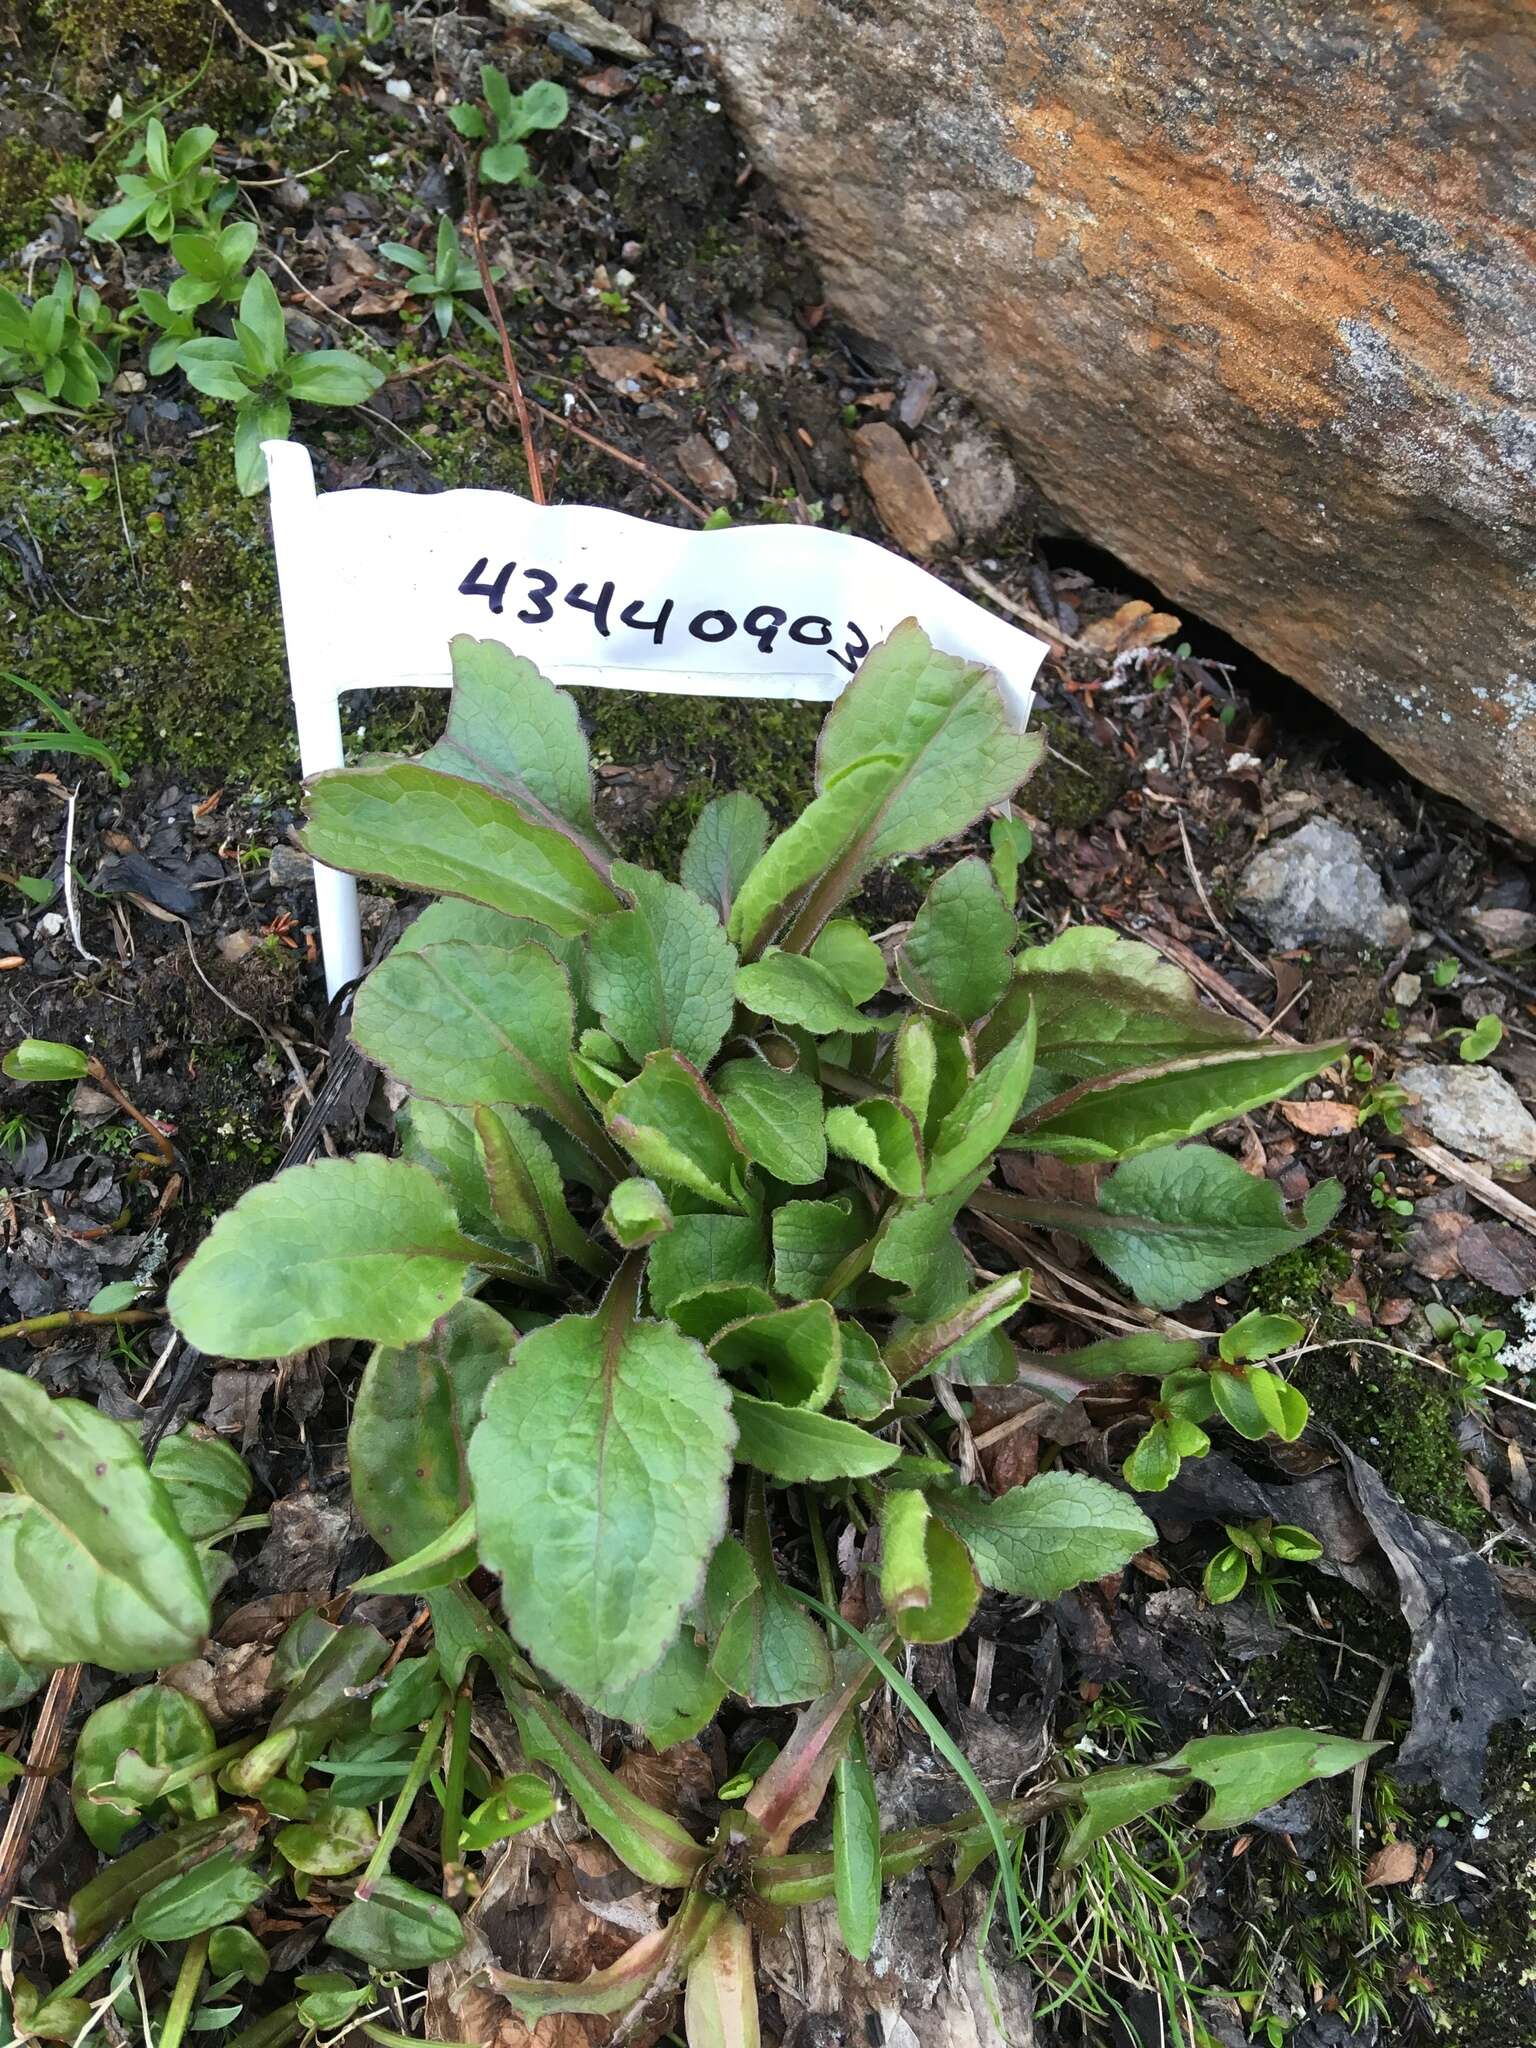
376	583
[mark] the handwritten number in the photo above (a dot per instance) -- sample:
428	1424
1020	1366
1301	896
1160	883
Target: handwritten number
856	649
494	591
700	628
597	606
763	623
539	610
801	631
630	616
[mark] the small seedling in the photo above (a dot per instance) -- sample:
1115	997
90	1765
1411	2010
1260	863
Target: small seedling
1252	1549
260	376
68	737
1386	1100
504	160
36	1060
214	266
176	188
1383	1197
1443	972
1477	1043
446	281
51	342
1474	1346
1249	1397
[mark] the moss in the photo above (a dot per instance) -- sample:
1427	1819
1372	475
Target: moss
174	32
31	177
1076	782
1302	1281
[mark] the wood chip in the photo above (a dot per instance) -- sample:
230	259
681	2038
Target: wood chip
1320	1119
1394	1864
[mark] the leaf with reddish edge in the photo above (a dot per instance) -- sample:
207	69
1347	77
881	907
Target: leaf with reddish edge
644	1972
790	1791
720	2009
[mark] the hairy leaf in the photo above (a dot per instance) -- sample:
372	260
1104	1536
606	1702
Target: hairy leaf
812	1239
798	991
671	1125
795	1353
513	731
971	1132
797	1444
957	955
724	846
1055	1532
206	1479
599	1474
851	957
674	1701
363	1247
767	1649
661	974
636	1213
883	1135
777	1118
705	1252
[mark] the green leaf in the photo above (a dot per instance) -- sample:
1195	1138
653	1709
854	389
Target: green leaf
1041	1539
44	1059
515	1804
333	376
363	1247
94	1567
1247	1773
796	1353
674	1701
670	1124
1257	1335
883	1135
767	1649
794	1444
1293	1545
398	1928
261	314
777	1118
724	846
1117	1117
417	1407
958	955
544	104
451	917
661	974
409	1697
971	1132
445	1142
1180	1221
164	1729
512	730
18	1681
339	1839
599	1473
323	1703
223	1888
637	1214
504	163
926	1346
952	1591
1153	1463
1115	1798
1146	1354
213	367
856	1849
111	1895
1012	843
720	2000
403	822
794	990
442	1561
906	1576
865	1388
206	1479
851	957
477	1024
1481	1039
1251	1401
116	1294
812	1239
526	1190
916	747
1225	1575
1105	1004
234	1951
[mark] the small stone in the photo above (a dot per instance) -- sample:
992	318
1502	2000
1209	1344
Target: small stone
290	868
1504	931
909	511
917	394
1474	1111
1318	889
712	478
978	480
1406	990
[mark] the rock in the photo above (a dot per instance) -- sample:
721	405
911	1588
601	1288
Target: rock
289	867
1270	346
711	477
1474	1111
1504	931
1318	889
909	511
977	479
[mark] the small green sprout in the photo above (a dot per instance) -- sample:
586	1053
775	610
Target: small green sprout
504	161
50	343
1252	1548
445	281
177	187
1382	1196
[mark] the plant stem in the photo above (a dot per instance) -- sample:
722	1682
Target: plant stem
101	1958
152	1130
77	1319
378	1862
203	1766
188	1977
508	360
453	1789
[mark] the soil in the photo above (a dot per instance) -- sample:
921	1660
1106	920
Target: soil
175	941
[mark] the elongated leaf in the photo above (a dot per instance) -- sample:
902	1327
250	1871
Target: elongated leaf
906	1577
411	825
856	1849
928	1345
971	1132
526	1192
44	1059
1247	1773
793	990
957	956
811	1240
323	1703
363	1247
444	1141
215	1892
513	731
720	2008
671	1125
164	1729
452	918
637	1974
599	1474
883	1135
767	1649
1146	1354
439	1562
661	974
724	846
1180	1221
1117	1117
917	746
398	1928
797	1444
94	1566
953	1590
777	1118
1053	1533
111	1896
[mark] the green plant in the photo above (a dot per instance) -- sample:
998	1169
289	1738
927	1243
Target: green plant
1254	1547
177	187
504	159
674	1115
213	266
51	342
446	281
1443	972
1386	1100
1382	1196
260	376
1474	1346
68	736
1477	1043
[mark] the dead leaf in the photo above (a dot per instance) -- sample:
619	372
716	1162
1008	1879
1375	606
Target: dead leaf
373	305
1393	1864
1321	1119
905	500
625	367
1351	1294
1135	624
611	83
1481	1491
1432	1242
1498	1255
